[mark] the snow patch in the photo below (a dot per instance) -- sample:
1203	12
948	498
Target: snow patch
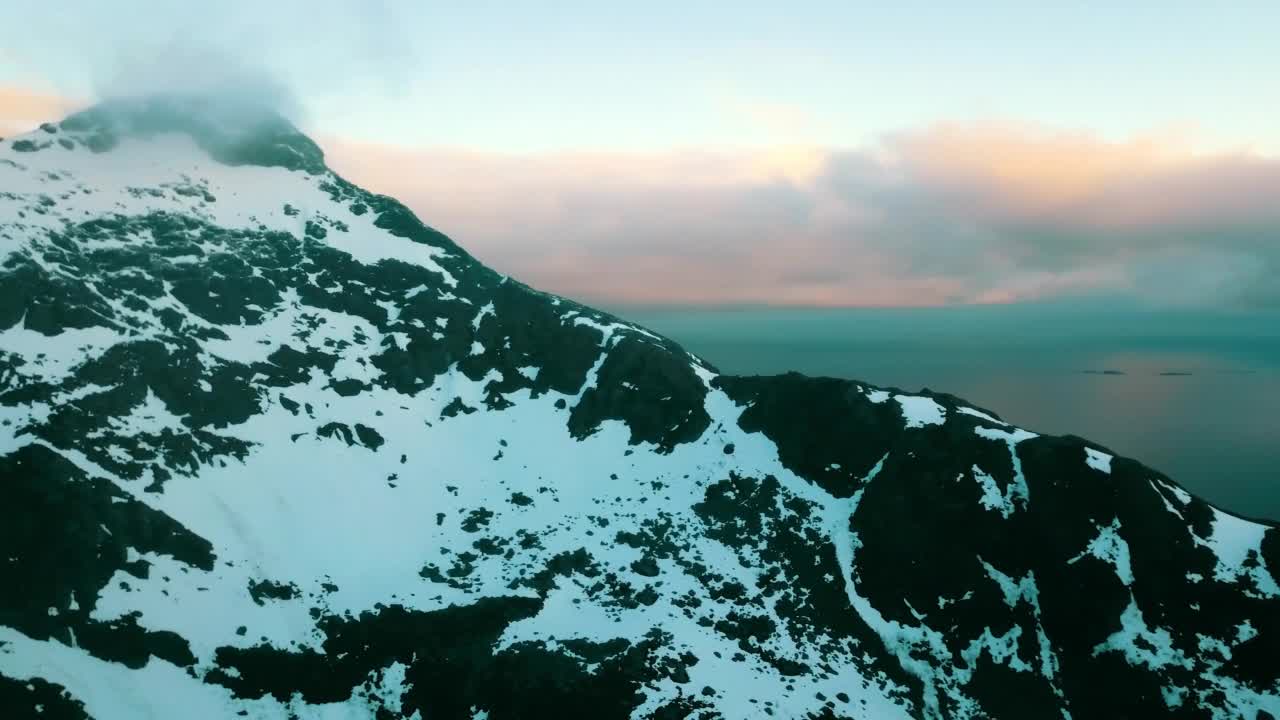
1017	495
980	415
1140	644
921	411
1109	547
1097	460
1237	542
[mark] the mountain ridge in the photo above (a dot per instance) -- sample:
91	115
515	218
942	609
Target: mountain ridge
291	451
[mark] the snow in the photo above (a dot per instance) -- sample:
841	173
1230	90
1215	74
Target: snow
1097	460
51	358
1234	541
1184	498
1111	548
993	498
607	329
292	325
375	247
160	690
149	417
1003	649
247	196
488	309
1231	698
921	411
1167	505
980	415
15	419
1026	590
392	310
1220	695
1017	494
921	650
325	513
1140	644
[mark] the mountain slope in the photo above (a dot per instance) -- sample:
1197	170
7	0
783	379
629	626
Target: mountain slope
270	447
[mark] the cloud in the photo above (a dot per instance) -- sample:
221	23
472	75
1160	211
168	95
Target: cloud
1171	224
951	214
989	213
270	52
193	70
1030	169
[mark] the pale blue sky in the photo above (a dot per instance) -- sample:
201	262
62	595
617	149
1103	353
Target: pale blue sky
521	76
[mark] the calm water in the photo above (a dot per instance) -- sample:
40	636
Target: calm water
1194	395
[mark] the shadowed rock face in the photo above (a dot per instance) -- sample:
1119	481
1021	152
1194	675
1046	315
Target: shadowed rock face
271	447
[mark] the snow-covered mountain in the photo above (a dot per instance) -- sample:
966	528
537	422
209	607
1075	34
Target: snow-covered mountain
270	447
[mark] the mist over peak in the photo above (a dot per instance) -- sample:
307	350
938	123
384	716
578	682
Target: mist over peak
233	127
227	81
281	55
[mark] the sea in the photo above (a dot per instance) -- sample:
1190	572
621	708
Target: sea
1193	394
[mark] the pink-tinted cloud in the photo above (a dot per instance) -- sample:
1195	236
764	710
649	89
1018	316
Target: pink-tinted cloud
988	213
1030	169
976	214
1077	179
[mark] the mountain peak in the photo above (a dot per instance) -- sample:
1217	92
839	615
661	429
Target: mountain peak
233	129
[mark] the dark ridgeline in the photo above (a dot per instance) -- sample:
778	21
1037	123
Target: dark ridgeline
976	571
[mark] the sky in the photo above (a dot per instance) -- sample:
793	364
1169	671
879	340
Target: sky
800	153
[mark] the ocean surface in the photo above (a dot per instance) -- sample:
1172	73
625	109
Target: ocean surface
1195	395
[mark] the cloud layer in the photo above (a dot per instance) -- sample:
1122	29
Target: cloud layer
988	213
952	214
